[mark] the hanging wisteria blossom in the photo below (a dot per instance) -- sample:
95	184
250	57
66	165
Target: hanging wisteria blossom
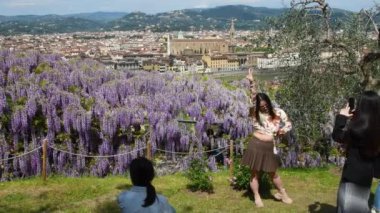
86	110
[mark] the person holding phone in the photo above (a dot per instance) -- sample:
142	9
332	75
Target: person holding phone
260	155
361	137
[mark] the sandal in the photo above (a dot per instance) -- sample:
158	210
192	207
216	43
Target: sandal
283	196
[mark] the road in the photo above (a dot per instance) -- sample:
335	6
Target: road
261	75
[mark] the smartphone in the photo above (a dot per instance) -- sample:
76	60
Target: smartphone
351	104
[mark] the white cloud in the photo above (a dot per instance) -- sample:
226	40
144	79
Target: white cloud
29	3
21	4
202	6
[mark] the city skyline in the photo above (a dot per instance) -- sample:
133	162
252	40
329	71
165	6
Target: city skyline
61	7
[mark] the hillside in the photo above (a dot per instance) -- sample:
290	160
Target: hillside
46	25
218	18
102	17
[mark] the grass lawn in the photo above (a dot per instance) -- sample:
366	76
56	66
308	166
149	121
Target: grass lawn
313	190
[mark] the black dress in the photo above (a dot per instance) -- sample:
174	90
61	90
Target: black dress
358	171
357	168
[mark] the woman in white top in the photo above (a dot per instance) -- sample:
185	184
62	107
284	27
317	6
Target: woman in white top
261	154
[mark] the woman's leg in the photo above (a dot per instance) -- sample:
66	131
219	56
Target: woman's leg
276	180
281	195
254	184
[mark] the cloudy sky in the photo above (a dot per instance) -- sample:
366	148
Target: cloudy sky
40	7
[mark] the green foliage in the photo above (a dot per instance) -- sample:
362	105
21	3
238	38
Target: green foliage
327	74
242	176
242	179
74	89
13	106
62	137
42	67
335	152
87	103
39	122
125	132
5	120
21	55
272	92
228	86
265	184
205	78
21	101
254	49
95	124
43	83
199	177
17	70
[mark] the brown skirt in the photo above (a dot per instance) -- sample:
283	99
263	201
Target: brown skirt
259	156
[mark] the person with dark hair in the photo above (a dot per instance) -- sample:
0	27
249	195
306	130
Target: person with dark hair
361	137
261	154
142	196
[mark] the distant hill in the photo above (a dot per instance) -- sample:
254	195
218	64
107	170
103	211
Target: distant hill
218	18
99	16
242	12
46	25
27	18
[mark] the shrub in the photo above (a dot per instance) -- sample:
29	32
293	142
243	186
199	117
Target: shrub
242	178
265	184
198	175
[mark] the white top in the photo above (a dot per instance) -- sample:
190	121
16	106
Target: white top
271	126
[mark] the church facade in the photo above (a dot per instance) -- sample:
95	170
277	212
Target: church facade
197	46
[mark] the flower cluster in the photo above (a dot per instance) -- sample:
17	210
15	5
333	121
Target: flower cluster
83	108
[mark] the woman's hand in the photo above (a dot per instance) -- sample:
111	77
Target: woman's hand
281	132
249	75
346	112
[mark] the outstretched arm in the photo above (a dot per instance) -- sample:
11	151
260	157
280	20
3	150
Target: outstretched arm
252	83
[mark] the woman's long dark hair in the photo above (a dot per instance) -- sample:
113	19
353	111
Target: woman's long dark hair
365	124
142	174
263	97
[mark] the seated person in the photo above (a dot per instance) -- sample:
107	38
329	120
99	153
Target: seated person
142	196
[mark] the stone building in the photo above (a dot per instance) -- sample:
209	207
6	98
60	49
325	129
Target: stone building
197	46
220	63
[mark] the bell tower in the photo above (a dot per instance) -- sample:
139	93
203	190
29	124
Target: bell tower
168	47
232	29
